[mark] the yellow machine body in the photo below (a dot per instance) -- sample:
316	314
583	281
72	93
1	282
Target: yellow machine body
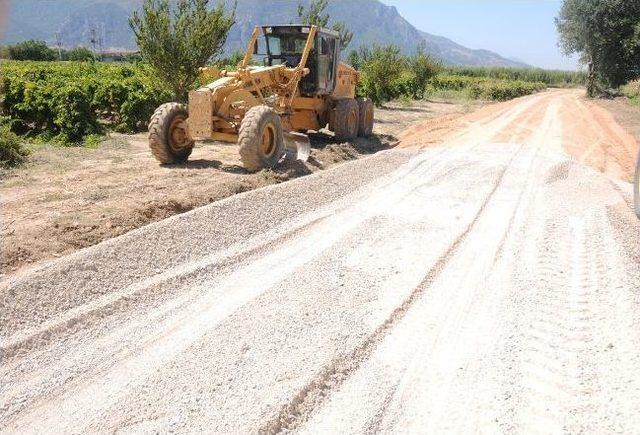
217	109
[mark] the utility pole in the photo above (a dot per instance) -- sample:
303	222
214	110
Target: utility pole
101	42
96	40
59	44
93	38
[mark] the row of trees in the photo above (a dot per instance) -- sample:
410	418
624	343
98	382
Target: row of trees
40	51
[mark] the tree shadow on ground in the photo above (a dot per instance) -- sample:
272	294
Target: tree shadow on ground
208	164
408	109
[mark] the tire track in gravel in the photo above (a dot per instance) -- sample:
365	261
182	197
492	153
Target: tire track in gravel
303	405
530	390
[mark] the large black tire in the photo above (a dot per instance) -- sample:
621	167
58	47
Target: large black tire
168	142
345	119
260	139
365	117
636	188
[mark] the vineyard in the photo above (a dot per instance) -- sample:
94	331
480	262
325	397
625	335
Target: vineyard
67	101
483	88
552	78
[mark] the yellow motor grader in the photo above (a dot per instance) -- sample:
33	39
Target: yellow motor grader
267	110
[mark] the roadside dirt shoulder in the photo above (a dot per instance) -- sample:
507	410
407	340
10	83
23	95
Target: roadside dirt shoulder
625	114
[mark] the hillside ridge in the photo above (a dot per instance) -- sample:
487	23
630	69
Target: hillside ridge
371	21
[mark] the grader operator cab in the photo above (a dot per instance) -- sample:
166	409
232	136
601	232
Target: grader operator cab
268	109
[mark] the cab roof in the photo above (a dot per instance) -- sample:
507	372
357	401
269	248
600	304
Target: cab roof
296	28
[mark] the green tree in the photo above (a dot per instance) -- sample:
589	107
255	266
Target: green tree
381	68
31	50
606	35
176	41
423	67
315	15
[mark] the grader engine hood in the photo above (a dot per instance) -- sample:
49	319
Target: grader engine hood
201	113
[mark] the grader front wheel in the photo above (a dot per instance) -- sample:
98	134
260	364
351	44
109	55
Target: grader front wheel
168	134
261	139
346	119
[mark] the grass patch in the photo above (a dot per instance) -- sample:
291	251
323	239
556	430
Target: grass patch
632	91
12	151
93	141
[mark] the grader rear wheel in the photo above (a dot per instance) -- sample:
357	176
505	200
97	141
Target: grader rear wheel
168	135
261	139
365	122
345	119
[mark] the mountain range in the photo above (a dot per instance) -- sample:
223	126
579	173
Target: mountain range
74	22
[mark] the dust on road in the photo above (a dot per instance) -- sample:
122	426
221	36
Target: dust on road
489	284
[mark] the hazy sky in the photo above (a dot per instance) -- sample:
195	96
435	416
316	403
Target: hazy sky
522	29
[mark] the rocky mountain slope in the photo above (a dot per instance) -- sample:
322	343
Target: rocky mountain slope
371	21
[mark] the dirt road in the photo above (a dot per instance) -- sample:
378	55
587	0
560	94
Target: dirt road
487	285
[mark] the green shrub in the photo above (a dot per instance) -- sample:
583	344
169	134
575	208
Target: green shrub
12	152
142	100
79	54
422	68
73	118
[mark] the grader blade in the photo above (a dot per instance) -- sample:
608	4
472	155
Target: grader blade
298	146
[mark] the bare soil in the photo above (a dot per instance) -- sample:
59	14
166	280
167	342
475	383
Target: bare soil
66	199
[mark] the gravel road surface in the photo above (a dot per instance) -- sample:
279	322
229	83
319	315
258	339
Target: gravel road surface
490	284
